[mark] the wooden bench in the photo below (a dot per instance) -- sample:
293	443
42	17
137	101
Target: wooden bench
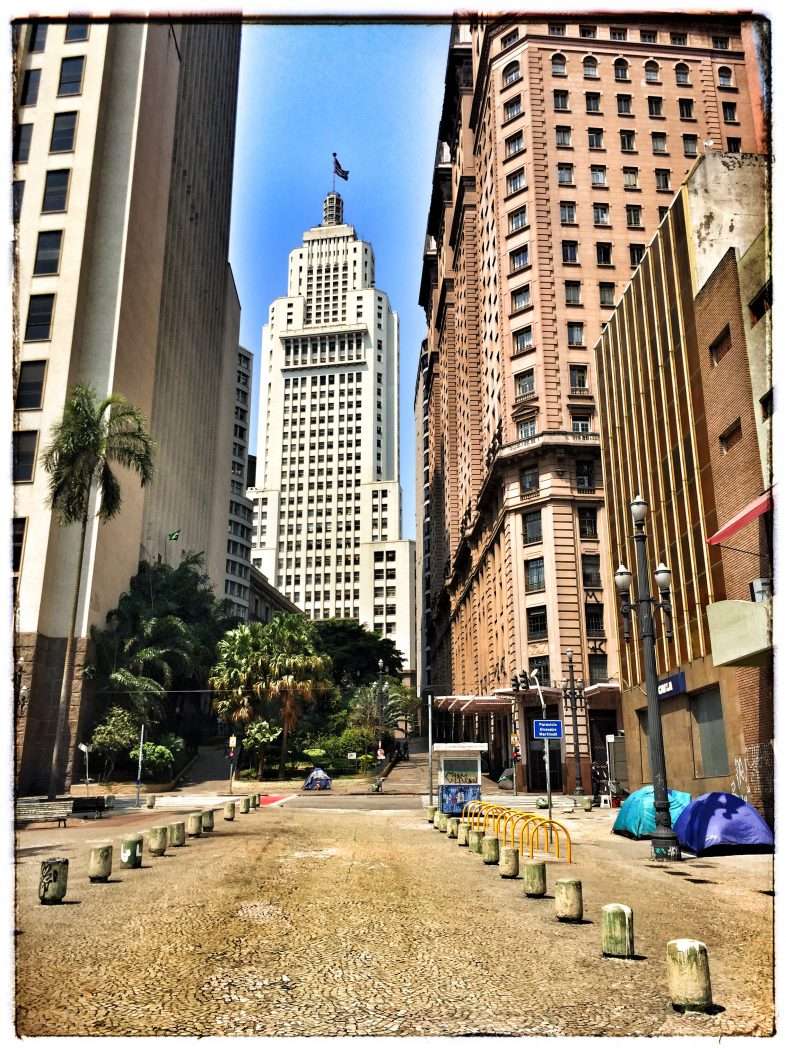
84	805
38	809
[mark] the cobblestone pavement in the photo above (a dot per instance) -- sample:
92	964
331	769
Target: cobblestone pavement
290	922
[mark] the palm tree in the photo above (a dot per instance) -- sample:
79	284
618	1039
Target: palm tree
90	438
241	665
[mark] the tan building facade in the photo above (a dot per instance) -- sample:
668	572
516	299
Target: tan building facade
561	144
103	115
685	380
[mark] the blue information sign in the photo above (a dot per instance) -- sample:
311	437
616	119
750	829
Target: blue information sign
548	729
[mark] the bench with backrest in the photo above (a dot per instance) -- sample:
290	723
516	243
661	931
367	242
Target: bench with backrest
84	805
39	809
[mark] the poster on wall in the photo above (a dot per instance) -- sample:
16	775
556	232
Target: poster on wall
453	798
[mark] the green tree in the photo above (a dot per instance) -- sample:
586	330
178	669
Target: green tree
259	734
240	668
91	437
355	652
403	704
116	734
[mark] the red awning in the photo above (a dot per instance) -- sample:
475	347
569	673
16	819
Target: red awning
745	516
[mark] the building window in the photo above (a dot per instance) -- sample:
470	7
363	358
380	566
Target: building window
636	253
603	254
598	175
593	618
570	252
575	334
563	136
22	139
24	454
63	132
525	383
515	181
534	576
515	144
690	145
600	214
733	145
588	32
578	377
558	65
618	33
761	304
529	479
18	196
561	99
519	259
37	37
686	108
651	72
590	570
621	72
730	437
30	385
47	255
39	318
517	220
592	99
585	475
766	405
526	429
662	178
707	712
567	213
628	141
536	624
18	542
509	38
658	142
624	107
533	530
662	212
512	108
590	68
598	669
588	523
30	84
679	39
76	32
648	36
730	112
682	74
520	298
572	292
581	423
595	137
606	293
55	191
565	174
633	215
71	71
655	105
556	29
725	78
720	43
539	665
510	74
522	340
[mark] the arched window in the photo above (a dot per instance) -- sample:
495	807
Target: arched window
724	77
652	72
682	73
590	68
621	70
510	74
559	66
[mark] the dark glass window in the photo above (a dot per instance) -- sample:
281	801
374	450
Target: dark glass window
536	624
71	70
590	570
30	86
598	669
18	541
533	531
636	253
585	474
762	303
588	523
63	132
55	191
19	192
47	255
540	663
606	294
534	579
30	387
24	454
22	137
529	479
76	31
707	712
39	318
37	37
593	617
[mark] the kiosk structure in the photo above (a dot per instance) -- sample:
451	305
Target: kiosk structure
458	774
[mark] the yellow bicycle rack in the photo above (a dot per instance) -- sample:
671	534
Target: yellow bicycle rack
508	823
548	825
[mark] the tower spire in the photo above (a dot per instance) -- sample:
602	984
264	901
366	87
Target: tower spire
333	209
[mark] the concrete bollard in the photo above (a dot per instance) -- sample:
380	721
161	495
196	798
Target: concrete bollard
489	849
157	840
586	803
453	828
616	930
688	970
229	810
176	834
253	801
476	841
463	834
534	874
437	818
131	851
109	800
508	862
53	881
245	805
431	811
443	822
99	866
150	801
208	820
194	824
568	900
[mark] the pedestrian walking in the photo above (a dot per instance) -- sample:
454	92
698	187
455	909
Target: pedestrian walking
406	749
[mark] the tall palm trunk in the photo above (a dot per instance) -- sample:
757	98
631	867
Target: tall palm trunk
68	670
283	758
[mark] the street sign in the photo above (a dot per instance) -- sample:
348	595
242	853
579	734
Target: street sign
352	756
83	746
672	685
232	741
547	729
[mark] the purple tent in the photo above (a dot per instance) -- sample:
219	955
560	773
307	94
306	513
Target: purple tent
722	821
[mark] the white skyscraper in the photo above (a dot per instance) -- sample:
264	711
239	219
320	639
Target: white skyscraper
327	508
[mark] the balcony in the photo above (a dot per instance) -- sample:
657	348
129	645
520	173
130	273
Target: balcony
580	391
523	398
740	631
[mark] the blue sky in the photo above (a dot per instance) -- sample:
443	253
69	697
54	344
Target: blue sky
372	94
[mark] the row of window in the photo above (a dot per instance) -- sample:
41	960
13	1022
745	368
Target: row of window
520	299
72	71
580	423
524	382
75	32
720	42
511	74
592	101
537	622
529	486
535	573
532	528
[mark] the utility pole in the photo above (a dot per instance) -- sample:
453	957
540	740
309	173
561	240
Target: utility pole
430	757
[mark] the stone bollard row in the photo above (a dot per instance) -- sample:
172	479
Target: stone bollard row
194	824
437	819
568	899
157	840
245	805
150	801
475	839
431	811
616	931
443	823
534	876
463	834
131	851
688	969
208	820
453	828
489	850
53	882
230	809
176	833
508	862
99	865
253	801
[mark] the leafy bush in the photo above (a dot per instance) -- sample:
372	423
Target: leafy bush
115	735
157	761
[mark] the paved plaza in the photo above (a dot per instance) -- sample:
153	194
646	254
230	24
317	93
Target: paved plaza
313	921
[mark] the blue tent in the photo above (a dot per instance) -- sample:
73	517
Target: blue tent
722	820
318	780
637	815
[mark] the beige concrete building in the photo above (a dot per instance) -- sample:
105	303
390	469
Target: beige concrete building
265	601
561	144
122	176
327	506
685	390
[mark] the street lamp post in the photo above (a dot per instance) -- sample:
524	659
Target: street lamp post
380	700
664	840
574	696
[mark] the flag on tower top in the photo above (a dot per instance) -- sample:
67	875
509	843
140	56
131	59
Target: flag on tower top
339	170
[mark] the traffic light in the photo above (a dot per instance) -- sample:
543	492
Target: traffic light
515	683
516	754
524	681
